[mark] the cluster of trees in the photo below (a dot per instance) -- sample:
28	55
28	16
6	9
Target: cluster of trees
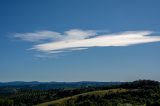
6	102
29	97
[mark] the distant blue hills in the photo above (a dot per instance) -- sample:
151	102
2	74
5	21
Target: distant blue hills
54	85
21	83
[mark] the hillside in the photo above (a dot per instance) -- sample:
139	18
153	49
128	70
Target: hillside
137	93
99	93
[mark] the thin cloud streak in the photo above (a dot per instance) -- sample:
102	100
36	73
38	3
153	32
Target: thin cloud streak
76	39
38	36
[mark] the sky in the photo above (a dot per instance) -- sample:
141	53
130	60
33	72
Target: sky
79	40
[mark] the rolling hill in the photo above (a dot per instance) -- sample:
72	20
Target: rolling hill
137	93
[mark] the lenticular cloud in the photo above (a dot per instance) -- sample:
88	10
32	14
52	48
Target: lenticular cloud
76	39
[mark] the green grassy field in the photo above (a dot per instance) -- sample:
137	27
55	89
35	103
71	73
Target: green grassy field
99	93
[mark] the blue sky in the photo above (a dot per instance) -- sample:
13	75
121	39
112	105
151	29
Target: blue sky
79	40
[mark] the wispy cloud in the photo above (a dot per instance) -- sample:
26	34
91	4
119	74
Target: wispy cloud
38	36
74	34
76	39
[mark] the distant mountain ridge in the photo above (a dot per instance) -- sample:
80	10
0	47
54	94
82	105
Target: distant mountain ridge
20	83
54	85
37	82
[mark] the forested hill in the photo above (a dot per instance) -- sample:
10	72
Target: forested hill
137	93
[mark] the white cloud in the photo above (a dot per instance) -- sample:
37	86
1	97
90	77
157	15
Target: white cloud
38	36
76	39
76	34
73	34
